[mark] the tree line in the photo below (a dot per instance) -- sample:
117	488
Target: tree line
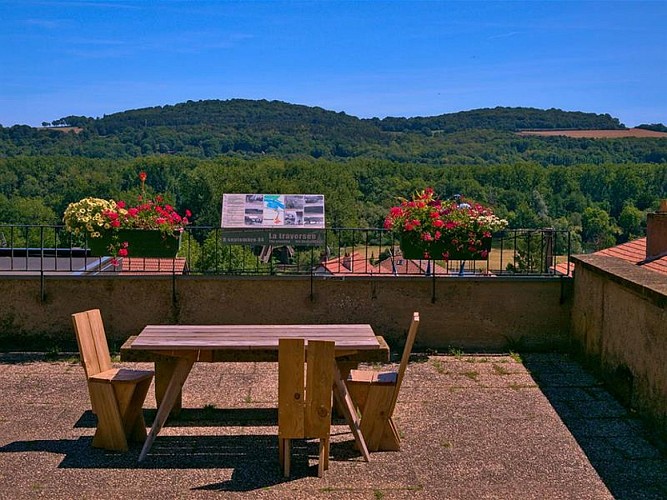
602	204
252	129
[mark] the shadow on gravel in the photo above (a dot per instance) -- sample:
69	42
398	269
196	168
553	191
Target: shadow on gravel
625	454
252	458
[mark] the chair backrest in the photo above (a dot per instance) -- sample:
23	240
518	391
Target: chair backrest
92	342
304	404
409	342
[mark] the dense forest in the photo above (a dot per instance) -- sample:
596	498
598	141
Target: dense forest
196	151
249	129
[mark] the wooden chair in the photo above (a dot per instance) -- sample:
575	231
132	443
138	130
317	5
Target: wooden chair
375	394
304	406
116	394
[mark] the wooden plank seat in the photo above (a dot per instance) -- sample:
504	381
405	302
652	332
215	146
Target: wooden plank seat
117	395
375	394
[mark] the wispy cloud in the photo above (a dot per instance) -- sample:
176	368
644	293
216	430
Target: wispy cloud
45	23
99	4
504	35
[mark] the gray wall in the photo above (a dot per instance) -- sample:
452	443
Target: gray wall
487	313
619	318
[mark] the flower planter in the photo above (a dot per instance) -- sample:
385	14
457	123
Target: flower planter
141	243
412	249
415	249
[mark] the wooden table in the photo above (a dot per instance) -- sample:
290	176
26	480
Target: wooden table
175	348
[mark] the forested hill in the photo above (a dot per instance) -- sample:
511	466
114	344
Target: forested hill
247	128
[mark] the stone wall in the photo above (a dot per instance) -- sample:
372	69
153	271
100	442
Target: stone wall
477	314
619	319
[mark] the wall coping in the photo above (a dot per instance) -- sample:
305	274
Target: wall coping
306	277
648	284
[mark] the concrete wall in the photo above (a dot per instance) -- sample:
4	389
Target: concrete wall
490	313
619	319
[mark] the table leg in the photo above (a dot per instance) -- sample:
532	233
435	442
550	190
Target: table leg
344	368
178	377
164	370
342	397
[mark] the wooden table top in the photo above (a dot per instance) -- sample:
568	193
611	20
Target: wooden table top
357	337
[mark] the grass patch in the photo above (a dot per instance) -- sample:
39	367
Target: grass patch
439	366
472	375
457	353
446	444
500	370
516	357
517	387
378	494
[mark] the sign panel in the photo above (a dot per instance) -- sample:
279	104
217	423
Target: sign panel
273	219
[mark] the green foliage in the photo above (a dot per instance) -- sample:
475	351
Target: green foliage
631	221
598	228
252	129
195	152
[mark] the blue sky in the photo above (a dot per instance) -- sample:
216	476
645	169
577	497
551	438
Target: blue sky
366	58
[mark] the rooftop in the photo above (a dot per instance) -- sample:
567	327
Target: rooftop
475	426
633	252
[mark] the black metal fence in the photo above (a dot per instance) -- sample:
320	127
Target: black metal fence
50	249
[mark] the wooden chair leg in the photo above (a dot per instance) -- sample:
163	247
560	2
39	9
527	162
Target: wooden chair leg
323	460
135	425
110	433
390	440
286	453
375	415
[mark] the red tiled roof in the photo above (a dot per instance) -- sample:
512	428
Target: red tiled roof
356	264
633	252
401	265
346	264
149	265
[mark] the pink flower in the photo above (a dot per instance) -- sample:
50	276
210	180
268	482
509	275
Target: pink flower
121	204
122	252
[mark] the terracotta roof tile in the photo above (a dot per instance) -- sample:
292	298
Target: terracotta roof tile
141	265
633	252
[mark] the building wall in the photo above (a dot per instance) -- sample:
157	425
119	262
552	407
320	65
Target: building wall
468	313
619	318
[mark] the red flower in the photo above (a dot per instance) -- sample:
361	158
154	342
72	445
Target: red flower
142	176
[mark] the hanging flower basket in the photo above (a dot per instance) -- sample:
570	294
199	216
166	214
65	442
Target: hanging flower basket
429	228
141	242
443	250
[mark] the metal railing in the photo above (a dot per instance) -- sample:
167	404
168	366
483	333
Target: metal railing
50	249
